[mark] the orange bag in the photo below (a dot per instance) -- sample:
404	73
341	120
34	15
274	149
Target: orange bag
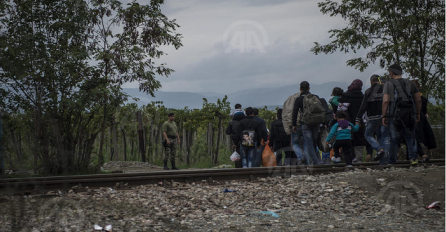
268	157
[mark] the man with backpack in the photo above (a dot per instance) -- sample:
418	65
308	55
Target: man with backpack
372	103
400	111
249	136
311	115
296	137
232	131
279	141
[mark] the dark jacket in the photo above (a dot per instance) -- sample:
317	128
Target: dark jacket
423	129
233	127
275	136
355	99
249	123
371	104
328	112
264	134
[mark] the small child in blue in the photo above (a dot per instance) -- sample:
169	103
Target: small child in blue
343	132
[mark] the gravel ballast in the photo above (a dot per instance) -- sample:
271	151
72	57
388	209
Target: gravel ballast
361	200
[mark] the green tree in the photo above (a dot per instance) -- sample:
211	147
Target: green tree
43	64
66	60
124	41
408	32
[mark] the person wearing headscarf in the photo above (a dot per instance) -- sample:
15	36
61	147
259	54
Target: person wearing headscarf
354	97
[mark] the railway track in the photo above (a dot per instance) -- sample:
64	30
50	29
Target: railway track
26	185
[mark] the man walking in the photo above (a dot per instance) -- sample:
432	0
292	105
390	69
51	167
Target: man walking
372	103
232	131
296	137
279	141
312	114
171	139
249	132
404	100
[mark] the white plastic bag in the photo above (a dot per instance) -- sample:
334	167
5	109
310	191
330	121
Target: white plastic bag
235	156
343	106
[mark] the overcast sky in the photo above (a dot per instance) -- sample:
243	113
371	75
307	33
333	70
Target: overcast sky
233	45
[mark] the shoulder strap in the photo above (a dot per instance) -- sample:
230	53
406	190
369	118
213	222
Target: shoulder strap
400	90
372	94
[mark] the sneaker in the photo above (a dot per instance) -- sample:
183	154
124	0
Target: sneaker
349	166
337	160
354	160
414	162
379	155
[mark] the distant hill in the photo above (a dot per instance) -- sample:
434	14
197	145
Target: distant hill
259	97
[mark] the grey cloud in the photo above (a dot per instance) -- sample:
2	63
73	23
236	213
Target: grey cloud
284	63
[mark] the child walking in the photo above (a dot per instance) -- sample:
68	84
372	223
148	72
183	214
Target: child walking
343	132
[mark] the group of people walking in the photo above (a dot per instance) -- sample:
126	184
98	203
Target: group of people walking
389	113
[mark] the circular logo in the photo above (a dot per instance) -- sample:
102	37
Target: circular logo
245	36
404	196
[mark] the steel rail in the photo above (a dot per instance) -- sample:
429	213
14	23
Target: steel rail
17	185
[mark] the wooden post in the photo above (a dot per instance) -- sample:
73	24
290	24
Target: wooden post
215	161
125	143
101	143
189	144
184	144
210	139
141	136
115	143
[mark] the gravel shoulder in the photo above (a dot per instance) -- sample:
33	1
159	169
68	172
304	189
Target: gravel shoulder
389	200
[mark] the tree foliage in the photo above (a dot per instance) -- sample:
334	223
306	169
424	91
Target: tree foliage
408	32
66	61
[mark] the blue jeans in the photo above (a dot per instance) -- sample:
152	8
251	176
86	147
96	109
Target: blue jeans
382	134
296	141
394	146
310	134
258	155
247	154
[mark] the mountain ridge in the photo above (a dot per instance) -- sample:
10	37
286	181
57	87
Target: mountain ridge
256	97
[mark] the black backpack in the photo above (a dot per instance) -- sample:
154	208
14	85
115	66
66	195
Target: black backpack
405	115
376	94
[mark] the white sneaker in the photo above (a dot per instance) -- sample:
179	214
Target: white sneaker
337	160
